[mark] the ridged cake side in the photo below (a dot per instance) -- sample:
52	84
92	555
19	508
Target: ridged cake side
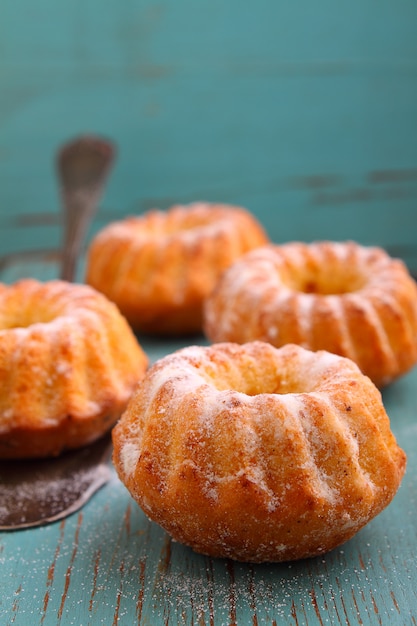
257	453
68	363
354	301
158	267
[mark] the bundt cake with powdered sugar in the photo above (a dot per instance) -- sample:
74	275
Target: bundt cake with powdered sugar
68	365
159	267
349	299
256	453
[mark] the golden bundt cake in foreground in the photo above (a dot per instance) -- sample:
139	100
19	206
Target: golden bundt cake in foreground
158	267
352	300
68	365
256	453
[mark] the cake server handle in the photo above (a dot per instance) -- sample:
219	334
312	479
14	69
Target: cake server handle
83	166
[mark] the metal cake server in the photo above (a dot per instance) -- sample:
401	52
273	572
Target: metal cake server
40	491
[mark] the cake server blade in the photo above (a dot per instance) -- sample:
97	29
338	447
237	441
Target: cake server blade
41	491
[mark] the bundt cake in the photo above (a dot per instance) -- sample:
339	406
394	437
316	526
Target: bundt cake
68	365
349	299
158	267
258	453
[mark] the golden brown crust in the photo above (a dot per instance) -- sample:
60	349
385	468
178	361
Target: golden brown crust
68	365
159	267
257	453
342	297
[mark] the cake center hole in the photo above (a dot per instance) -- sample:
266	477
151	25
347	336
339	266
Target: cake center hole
263	382
329	281
24	316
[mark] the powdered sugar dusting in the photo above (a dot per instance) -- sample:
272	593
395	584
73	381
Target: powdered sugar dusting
129	454
283	459
291	292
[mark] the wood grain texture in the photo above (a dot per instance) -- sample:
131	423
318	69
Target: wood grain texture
306	115
108	564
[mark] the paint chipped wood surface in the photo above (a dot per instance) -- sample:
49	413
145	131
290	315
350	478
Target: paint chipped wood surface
303	112
108	564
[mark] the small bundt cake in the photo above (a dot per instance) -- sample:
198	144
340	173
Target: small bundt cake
159	267
68	365
258	453
348	299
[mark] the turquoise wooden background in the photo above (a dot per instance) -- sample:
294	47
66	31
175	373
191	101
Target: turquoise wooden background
305	112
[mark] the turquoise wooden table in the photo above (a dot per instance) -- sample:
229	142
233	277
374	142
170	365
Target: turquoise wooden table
108	564
303	112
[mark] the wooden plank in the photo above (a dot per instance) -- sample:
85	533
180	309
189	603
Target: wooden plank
307	117
109	564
